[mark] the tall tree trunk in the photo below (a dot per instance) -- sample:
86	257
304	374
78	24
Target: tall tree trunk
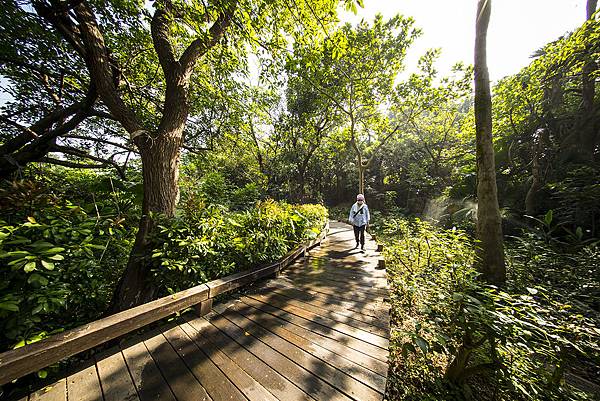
362	171
160	169
536	175
489	253
588	90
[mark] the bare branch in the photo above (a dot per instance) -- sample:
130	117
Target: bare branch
32	134
66	163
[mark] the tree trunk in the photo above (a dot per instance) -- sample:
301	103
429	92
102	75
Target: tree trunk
588	90
361	179
489	253
160	169
536	175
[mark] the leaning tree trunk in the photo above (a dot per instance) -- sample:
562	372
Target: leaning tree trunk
489	253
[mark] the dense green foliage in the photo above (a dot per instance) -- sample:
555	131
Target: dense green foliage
287	107
63	250
455	337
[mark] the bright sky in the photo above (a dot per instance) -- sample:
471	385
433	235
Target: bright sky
517	28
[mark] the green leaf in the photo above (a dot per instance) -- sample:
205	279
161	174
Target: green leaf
42	244
38	279
57	257
48	265
53	250
422	344
29	267
548	217
9	306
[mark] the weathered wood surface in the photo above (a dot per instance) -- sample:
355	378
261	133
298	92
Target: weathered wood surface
317	332
21	361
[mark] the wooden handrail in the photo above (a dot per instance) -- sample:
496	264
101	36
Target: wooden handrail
19	362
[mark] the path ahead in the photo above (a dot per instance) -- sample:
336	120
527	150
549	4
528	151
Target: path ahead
319	331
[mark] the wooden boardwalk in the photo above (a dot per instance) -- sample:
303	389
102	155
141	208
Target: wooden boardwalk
319	331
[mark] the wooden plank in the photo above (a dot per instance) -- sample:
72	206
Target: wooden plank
85	384
54	392
269	378
317	346
340	349
325	312
370	308
116	382
319	263
337	292
336	306
309	383
252	389
32	357
148	380
336	378
217	385
358	345
182	382
364	278
325	321
234	281
337	285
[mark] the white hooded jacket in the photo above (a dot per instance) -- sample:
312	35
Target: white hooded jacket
359	215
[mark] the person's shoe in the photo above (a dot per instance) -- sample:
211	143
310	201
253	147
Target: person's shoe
362	248
356	246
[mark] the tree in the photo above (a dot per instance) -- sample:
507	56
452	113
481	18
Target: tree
490	252
181	34
52	99
435	144
355	69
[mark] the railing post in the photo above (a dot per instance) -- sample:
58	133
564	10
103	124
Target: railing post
203	307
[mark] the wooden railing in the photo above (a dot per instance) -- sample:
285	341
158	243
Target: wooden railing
33	357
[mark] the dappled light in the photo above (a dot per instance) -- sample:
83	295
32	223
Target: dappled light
299	200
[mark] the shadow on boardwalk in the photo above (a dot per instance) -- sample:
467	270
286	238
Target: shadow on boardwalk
319	331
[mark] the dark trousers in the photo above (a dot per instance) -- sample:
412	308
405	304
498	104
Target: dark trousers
359	234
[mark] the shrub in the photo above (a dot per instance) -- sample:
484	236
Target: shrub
454	337
59	264
211	242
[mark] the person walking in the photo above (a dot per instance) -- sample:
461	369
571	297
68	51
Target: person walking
359	218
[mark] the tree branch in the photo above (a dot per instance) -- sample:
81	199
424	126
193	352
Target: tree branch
111	143
80	153
67	163
159	27
201	45
101	70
